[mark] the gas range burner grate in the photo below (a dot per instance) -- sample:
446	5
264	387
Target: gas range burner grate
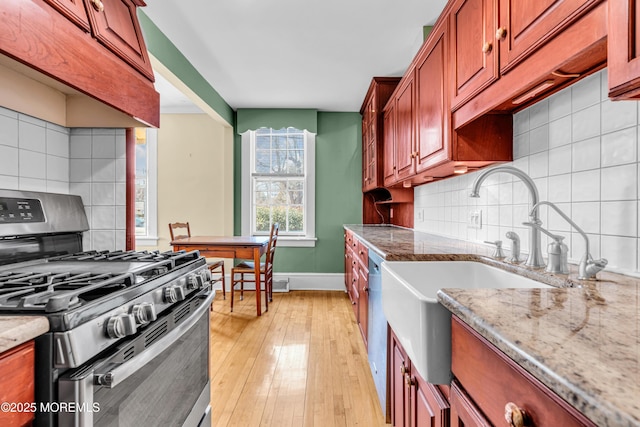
152	256
54	292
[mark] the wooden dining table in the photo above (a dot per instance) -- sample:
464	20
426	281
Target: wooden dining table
242	247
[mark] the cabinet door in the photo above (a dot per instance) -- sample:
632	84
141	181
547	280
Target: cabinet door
17	383
363	304
73	10
368	146
529	24
400	397
115	24
624	47
474	54
405	130
432	106
428	406
389	160
463	412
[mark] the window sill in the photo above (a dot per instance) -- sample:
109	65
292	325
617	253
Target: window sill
147	241
296	242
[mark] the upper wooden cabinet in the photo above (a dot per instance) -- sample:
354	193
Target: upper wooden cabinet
525	25
37	35
404	142
114	23
489	38
432	104
474	56
624	49
377	96
74	10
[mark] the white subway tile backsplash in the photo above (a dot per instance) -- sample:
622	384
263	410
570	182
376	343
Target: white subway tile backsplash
9	160
620	147
103	170
585	155
586	123
57	168
58	187
9	127
103	194
539	139
588	166
79	170
32	164
57	143
32	184
586	92
560	104
619	218
32	137
103	240
619	183
559	132
103	217
9	182
618	115
585	186
103	146
82	189
80	145
560	160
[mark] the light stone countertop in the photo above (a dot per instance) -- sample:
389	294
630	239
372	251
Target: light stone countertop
581	339
15	330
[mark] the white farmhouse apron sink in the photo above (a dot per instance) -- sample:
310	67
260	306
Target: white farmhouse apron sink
422	325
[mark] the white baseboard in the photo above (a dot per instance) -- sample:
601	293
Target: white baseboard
304	281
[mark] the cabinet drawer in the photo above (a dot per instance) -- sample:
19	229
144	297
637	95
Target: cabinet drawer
17	383
363	255
492	380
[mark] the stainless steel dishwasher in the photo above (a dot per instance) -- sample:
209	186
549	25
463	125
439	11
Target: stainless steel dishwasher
377	331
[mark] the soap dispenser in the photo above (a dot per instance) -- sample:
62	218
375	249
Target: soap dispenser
558	253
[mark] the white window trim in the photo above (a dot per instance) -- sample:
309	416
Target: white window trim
151	239
309	240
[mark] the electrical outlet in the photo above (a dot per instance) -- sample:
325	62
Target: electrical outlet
475	218
420	213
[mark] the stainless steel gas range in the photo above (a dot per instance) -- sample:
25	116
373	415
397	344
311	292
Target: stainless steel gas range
129	331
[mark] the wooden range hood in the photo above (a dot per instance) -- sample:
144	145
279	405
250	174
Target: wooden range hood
53	70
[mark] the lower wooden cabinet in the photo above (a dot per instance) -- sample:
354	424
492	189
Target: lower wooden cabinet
414	402
356	276
17	385
487	383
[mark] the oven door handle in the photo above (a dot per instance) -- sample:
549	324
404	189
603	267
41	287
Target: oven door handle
117	375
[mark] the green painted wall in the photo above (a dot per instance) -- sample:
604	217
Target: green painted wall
166	52
338	195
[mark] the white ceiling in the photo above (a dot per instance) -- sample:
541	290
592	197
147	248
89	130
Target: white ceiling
292	53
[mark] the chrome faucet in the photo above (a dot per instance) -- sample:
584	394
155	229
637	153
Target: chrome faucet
588	267
535	252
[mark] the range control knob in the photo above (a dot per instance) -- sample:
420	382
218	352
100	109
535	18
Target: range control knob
144	313
121	325
195	281
173	293
206	275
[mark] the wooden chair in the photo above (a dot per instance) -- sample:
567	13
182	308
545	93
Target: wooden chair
216	267
266	270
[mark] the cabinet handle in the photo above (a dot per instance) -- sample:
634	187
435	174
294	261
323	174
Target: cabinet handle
365	289
501	33
97	5
486	48
409	380
514	416
403	369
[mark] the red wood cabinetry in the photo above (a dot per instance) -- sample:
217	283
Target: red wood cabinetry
114	23
389	146
525	25
17	384
46	37
404	141
432	103
377	96
624	49
73	10
414	402
473	56
487	381
356	274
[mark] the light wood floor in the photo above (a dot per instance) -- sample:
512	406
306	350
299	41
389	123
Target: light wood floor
302	363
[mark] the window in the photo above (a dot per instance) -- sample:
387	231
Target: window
279	184
146	187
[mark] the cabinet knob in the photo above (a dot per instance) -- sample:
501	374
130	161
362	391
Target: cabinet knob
501	33
403	369
486	48
97	5
409	380
514	416
365	289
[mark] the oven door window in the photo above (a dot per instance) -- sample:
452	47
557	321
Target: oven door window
163	392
